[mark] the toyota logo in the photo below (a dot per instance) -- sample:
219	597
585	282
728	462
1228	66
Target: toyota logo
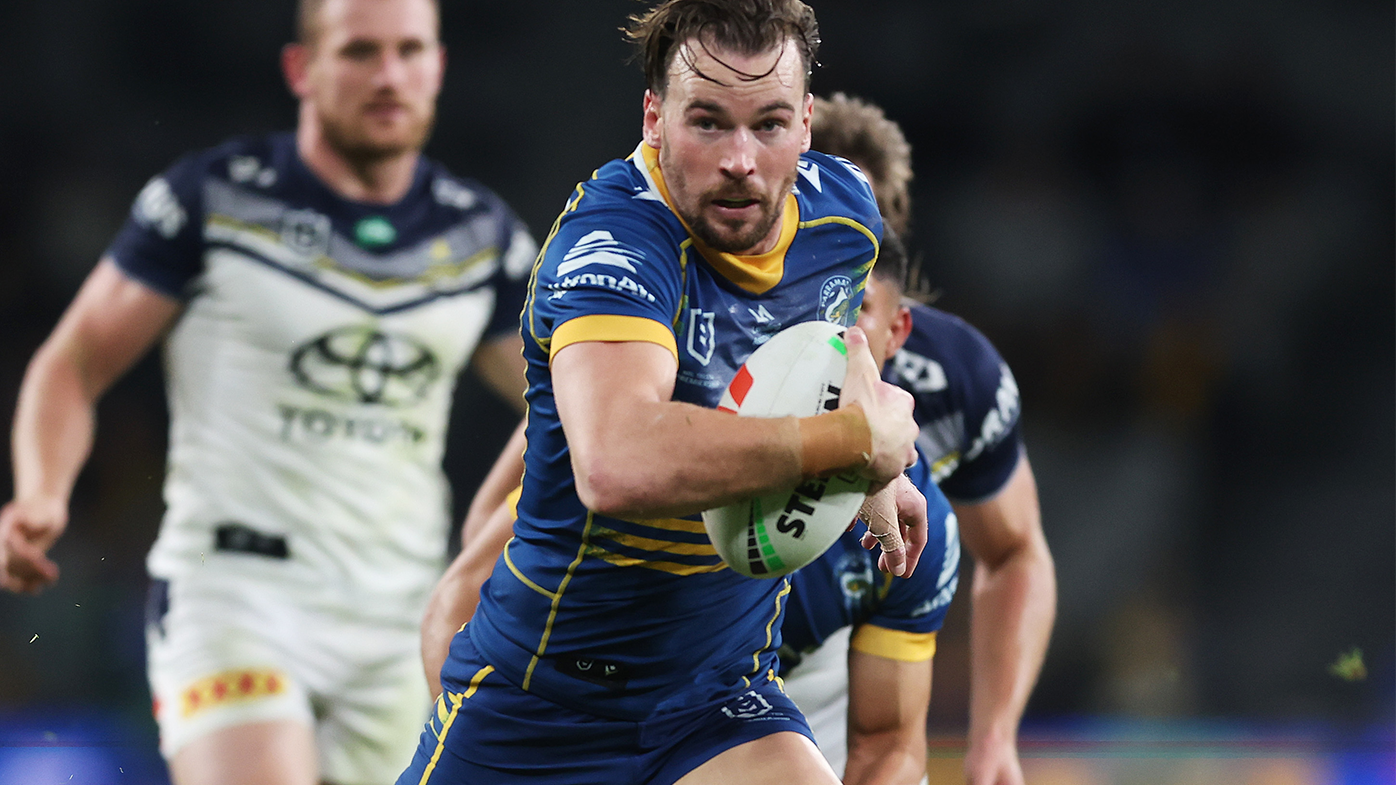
366	366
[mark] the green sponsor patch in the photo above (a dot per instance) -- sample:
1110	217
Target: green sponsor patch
374	232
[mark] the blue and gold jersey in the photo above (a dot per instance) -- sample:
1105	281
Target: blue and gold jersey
623	618
892	617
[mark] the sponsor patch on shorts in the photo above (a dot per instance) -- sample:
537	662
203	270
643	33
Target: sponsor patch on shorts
234	686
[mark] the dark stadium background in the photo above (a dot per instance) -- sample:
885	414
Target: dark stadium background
1175	220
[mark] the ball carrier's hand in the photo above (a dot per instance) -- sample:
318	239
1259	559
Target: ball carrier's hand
887	408
890	510
896	519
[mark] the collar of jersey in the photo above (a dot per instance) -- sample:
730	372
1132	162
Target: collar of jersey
756	274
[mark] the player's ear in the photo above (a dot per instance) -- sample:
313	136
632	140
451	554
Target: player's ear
805	117
901	329
295	63
654	136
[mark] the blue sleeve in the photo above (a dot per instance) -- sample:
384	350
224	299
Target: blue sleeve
610	258
516	257
992	434
161	243
919	603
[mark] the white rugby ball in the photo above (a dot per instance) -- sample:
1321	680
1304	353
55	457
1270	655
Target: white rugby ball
798	372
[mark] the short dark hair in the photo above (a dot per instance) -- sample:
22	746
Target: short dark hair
746	27
891	267
308	19
859	131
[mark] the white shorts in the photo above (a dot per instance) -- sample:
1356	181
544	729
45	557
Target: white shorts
222	653
819	686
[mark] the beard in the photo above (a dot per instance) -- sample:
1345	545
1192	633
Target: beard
353	138
727	237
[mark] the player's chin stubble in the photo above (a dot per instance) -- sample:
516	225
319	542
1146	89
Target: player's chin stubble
354	142
727	241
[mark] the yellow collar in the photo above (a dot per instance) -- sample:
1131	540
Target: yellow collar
756	274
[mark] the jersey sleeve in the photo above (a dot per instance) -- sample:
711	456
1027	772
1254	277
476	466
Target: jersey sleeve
161	243
992	434
609	273
517	254
907	619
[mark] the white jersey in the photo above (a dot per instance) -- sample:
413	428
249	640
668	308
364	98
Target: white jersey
311	374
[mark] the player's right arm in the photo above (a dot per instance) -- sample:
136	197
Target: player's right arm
111	323
636	453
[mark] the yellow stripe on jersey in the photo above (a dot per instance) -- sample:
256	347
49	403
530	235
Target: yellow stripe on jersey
838	219
756	655
443	269
476	679
673	568
609	327
894	644
756	274
512	501
670	524
557	599
662	546
441	738
509	562
577	195
944	464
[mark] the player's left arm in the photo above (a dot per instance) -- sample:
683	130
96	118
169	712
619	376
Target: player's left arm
1015	598
887	700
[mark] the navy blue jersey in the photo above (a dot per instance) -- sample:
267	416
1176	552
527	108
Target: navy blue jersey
447	233
966	404
621	618
893	617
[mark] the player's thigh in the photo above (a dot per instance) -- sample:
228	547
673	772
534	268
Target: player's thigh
778	759
220	659
368	726
279	752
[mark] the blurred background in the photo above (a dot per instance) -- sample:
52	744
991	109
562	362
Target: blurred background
1174	219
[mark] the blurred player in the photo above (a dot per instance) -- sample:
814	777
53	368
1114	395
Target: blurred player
857	642
611	644
317	294
967	407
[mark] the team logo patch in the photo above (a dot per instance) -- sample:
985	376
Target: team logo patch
702	335
306	231
363	365
747	706
235	686
834	297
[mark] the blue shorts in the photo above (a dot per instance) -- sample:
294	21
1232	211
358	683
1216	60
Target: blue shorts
491	731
